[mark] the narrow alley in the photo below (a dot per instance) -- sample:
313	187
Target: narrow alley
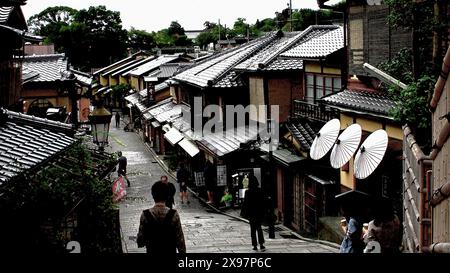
205	230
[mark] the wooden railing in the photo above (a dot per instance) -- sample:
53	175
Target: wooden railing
314	112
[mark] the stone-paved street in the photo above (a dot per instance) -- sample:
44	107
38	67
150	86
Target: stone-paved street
204	229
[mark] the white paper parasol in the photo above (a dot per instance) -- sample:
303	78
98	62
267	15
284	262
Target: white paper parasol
325	139
345	146
370	154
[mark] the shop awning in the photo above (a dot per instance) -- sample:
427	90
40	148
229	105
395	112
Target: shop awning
101	90
155	124
147	116
189	147
173	136
320	180
133	98
223	143
286	157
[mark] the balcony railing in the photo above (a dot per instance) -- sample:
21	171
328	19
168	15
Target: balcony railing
314	112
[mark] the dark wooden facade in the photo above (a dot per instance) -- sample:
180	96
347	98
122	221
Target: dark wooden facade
370	37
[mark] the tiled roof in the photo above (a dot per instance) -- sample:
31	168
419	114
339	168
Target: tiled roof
223	143
231	79
82	77
120	62
286	156
49	67
285	64
27	142
270	52
133	98
170	69
23	34
28	75
303	133
208	72
149	66
4	14
166	113
113	65
160	107
126	68
317	41
119	68
158	87
161	86
362	101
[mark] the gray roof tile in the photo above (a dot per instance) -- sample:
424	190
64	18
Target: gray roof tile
285	64
363	101
231	79
82	77
126	68
153	64
28	141
4	14
213	69
170	69
49	67
317	42
303	133
120	62
229	141
267	54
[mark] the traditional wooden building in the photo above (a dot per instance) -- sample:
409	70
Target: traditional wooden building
293	72
47	84
371	39
103	75
13	30
137	75
370	109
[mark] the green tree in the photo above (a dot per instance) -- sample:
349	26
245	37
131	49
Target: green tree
175	29
240	27
163	38
418	67
50	22
90	37
205	38
140	39
107	39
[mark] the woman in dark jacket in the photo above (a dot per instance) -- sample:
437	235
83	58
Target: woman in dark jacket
253	209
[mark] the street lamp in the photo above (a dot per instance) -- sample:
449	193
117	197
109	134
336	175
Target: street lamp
100	119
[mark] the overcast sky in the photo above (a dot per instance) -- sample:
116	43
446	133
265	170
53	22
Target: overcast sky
153	15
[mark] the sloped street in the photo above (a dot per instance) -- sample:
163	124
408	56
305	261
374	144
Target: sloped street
205	230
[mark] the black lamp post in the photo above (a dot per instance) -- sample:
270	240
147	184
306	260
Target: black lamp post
100	120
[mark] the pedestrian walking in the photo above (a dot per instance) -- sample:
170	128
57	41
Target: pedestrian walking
122	171
160	228
253	209
182	178
210	176
171	197
117	119
352	226
385	229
